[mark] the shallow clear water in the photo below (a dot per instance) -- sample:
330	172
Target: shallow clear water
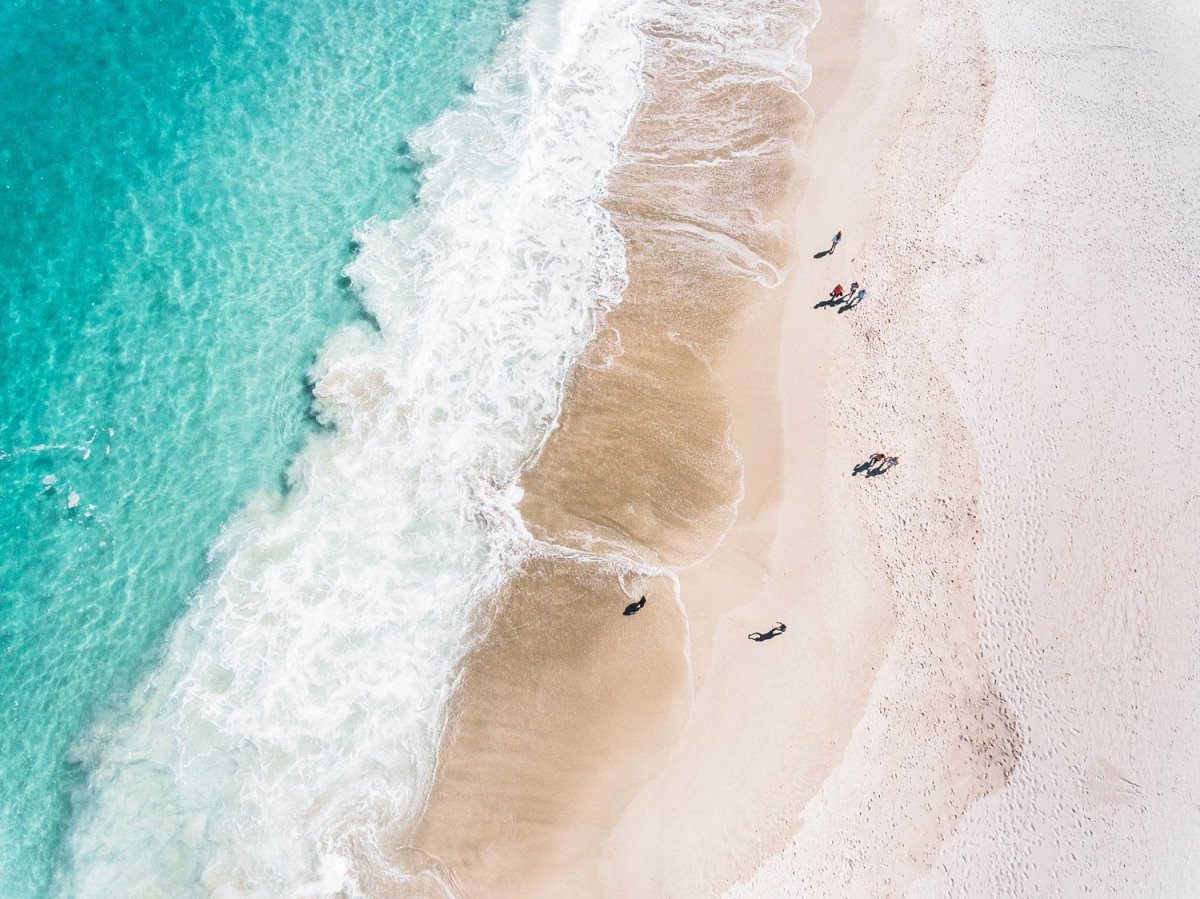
179	185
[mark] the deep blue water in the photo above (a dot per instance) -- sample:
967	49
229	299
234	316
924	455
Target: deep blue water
179	183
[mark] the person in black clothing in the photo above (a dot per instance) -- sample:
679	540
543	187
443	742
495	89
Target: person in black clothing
778	629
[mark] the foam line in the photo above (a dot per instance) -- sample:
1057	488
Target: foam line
293	721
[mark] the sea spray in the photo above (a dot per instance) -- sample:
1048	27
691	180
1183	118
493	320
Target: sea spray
293	721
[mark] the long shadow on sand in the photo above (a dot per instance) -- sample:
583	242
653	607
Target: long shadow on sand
759	637
862	466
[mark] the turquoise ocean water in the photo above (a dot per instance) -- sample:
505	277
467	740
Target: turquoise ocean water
179	183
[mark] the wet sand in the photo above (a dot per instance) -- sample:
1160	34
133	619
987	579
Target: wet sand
568	707
563	712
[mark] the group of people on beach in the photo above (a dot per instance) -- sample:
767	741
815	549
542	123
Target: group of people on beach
876	463
851	298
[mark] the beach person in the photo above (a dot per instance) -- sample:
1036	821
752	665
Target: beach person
853	287
837	239
837	293
891	461
872	460
758	636
634	607
853	299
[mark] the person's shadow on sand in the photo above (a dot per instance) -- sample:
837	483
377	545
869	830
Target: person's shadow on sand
888	463
759	637
837	239
865	465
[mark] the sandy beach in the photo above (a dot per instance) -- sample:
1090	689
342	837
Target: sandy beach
772	725
1025	735
987	676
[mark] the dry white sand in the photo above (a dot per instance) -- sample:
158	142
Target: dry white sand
1032	323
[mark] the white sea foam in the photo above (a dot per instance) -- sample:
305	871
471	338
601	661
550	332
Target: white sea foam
296	712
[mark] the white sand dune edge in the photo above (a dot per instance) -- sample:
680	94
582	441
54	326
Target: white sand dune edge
1032	281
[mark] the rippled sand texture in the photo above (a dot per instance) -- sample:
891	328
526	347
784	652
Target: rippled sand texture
569	707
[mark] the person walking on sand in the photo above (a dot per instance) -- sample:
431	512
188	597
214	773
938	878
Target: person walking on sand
891	461
853	299
877	458
778	629
837	293
853	287
837	239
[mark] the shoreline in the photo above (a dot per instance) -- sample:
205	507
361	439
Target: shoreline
712	590
567	707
